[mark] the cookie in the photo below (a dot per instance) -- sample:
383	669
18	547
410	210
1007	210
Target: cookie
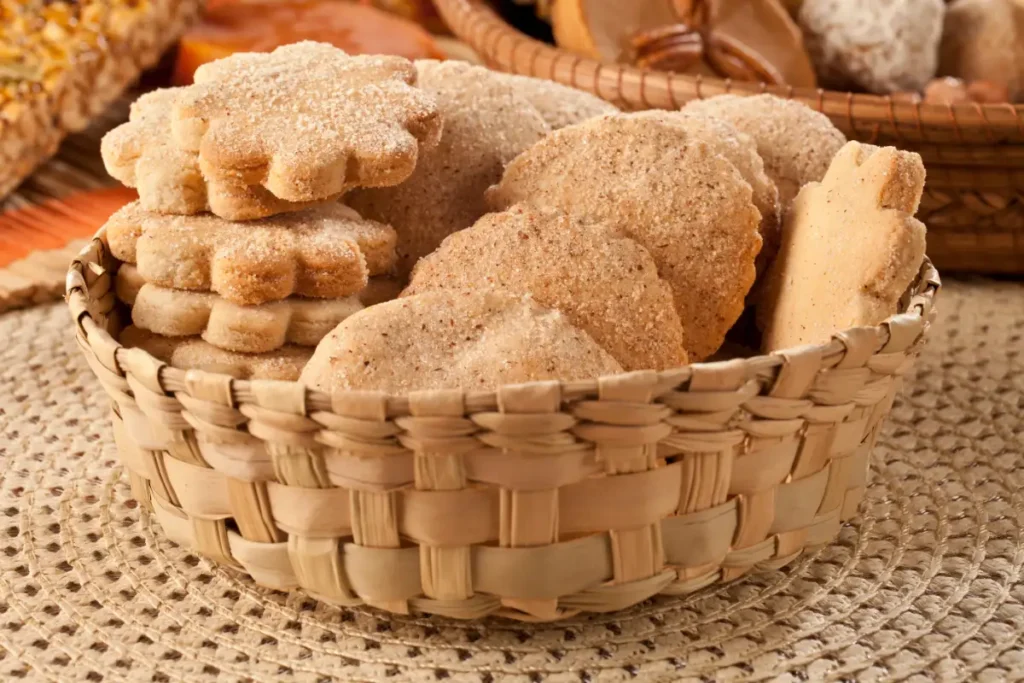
487	123
559	104
140	154
881	46
739	149
851	248
192	353
662	186
306	121
606	285
325	252
247	329
470	340
983	40
796	143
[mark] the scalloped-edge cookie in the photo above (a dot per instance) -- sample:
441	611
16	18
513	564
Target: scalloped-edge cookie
560	105
796	143
306	121
192	353
325	253
851	247
665	188
473	340
606	284
140	154
247	329
486	124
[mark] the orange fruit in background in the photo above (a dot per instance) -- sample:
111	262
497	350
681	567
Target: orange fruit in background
230	26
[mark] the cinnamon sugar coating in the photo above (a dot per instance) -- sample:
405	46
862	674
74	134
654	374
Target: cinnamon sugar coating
487	123
606	284
306	121
454	340
796	143
668	190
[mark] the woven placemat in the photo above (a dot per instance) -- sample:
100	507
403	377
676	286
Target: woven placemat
927	585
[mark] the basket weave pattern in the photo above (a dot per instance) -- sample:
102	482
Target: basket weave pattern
974	200
537	501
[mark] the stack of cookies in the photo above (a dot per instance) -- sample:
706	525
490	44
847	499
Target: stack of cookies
237	256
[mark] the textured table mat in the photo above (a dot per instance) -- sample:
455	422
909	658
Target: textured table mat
927	585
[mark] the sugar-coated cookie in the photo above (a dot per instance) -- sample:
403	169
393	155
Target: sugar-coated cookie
662	186
487	123
882	46
473	340
851	248
605	283
306	121
796	143
559	104
740	150
192	353
326	252
247	329
141	154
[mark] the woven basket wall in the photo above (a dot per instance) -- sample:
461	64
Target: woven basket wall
973	203
537	501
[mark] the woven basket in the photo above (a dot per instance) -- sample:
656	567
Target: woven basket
538	501
974	200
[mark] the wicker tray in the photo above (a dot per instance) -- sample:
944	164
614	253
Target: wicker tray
973	203
537	501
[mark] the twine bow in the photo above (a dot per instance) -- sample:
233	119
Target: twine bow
681	47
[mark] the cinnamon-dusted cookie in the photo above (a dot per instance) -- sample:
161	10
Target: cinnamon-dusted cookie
326	252
192	353
671	192
605	283
247	329
487	123
141	154
851	248
306	121
473	340
559	104
882	46
796	143
739	149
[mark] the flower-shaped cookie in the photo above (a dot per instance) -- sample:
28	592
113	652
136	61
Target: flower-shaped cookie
306	121
325	252
141	154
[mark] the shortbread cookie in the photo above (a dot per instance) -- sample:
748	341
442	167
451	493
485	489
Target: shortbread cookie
983	40
739	149
248	329
325	252
606	284
796	143
141	154
882	46
306	121
851	247
559	104
661	185
487	123
473	340
192	353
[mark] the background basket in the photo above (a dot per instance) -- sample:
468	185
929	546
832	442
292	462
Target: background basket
973	203
537	501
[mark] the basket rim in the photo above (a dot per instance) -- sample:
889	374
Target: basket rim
500	43
94	259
